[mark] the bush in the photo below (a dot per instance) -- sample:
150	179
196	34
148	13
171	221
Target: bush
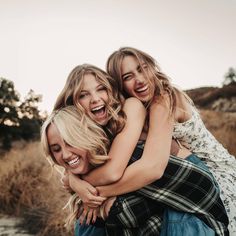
30	189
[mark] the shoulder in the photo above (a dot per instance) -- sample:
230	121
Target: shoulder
133	105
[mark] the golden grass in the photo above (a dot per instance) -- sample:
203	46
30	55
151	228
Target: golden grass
31	190
223	126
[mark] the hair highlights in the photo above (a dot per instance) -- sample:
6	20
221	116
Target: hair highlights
72	89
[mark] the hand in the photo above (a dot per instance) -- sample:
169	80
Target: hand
87	193
87	214
106	206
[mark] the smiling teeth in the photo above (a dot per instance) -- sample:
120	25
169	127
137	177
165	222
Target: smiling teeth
74	161
97	108
142	89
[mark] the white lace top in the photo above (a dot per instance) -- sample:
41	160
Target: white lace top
194	135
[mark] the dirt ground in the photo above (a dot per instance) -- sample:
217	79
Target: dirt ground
9	227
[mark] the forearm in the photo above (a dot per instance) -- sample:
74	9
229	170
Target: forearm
103	176
134	178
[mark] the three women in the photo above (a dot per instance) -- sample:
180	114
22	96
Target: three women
107	112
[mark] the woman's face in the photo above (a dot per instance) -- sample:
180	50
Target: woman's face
93	98
72	159
134	82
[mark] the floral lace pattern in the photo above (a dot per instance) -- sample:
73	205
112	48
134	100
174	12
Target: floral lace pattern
194	135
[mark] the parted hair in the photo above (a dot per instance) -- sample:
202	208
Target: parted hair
71	92
160	84
78	131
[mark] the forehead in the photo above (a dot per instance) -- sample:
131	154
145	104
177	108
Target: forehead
53	134
89	80
129	63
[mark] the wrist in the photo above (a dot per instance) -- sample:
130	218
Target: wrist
100	191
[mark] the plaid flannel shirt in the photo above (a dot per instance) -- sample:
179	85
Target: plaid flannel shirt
183	187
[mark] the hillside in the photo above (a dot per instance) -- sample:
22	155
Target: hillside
213	98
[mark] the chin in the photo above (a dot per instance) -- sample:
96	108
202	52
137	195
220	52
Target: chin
103	123
77	171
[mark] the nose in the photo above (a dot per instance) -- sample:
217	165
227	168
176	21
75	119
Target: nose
139	78
66	154
95	98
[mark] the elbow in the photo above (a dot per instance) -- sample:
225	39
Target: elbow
159	174
155	173
112	177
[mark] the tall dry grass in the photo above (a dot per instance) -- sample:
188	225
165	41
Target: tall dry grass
223	126
30	189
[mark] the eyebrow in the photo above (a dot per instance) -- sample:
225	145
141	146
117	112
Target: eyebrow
84	90
52	145
125	74
137	68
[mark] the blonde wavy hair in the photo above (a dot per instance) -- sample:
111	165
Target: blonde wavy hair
71	92
80	132
159	82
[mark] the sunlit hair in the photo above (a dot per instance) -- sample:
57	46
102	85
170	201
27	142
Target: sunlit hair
79	132
71	92
159	82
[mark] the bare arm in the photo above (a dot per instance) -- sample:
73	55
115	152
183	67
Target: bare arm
122	146
154	159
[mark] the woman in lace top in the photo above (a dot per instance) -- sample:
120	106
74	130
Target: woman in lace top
139	76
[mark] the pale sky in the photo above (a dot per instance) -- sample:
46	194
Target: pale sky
194	41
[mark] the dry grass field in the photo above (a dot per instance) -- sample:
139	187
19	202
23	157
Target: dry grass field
223	126
31	190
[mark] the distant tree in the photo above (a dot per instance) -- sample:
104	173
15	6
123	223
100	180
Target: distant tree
18	119
230	77
30	119
9	99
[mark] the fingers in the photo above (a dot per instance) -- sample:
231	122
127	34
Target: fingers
95	214
88	215
94	205
93	190
95	199
83	216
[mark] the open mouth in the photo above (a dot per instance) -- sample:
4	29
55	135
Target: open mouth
74	162
99	111
142	89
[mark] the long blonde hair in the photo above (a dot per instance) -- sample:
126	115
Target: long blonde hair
72	89
80	132
159	82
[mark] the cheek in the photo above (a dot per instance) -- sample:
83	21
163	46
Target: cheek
85	104
128	87
105	97
57	159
